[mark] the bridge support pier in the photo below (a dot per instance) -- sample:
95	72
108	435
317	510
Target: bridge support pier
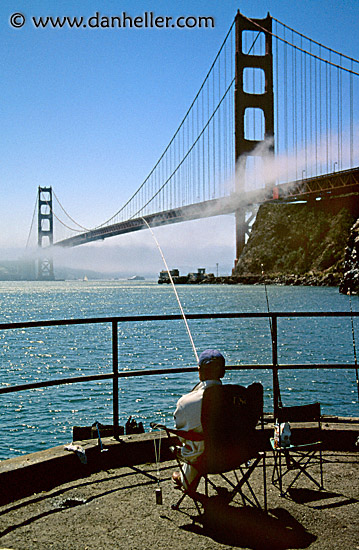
244	218
252	104
45	268
241	231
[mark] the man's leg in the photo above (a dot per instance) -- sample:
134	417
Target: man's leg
186	476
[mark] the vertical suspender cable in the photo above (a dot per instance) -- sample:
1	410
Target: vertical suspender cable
225	124
232	141
254	111
294	103
316	114
341	115
188	163
327	112
213	136
351	116
203	154
171	178
301	96
198	146
219	130
320	109
32	221
305	115
208	148
330	116
192	155
310	102
174	177
338	111
295	110
276	94
285	91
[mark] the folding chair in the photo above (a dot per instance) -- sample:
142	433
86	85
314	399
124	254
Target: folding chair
229	416
301	454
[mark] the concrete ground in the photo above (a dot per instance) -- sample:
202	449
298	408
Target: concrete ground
116	508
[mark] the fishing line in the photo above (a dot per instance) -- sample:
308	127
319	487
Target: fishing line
353	335
158	458
275	370
174	289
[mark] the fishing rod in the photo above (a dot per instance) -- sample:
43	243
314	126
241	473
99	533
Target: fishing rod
158	491
174	289
354	346
276	387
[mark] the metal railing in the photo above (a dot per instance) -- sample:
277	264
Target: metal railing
115	375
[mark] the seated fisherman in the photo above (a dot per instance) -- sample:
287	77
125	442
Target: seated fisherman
211	368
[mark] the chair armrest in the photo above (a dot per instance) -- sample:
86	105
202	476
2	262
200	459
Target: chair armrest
156	426
189	435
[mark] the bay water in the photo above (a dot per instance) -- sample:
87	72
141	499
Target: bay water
37	419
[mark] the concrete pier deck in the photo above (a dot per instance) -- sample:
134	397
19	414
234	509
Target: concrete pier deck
107	503
116	509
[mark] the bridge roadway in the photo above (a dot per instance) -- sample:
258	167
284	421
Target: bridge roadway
204	209
346	181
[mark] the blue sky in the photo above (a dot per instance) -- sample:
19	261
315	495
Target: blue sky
89	111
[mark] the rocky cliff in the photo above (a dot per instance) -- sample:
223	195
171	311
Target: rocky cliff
301	243
350	280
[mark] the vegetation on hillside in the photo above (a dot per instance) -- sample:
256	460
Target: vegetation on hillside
297	239
350	281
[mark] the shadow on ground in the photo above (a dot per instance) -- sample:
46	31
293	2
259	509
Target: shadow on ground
248	527
304	496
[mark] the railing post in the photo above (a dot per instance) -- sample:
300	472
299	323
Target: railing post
276	394
116	428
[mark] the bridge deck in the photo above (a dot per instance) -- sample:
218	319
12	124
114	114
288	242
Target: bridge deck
326	185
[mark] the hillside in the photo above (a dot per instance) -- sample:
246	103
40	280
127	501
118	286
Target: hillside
299	243
350	281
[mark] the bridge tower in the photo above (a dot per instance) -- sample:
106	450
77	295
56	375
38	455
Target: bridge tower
45	271
245	102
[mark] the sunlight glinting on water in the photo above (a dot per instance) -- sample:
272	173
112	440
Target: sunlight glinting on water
37	419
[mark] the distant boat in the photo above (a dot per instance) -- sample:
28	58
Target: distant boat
85	278
136	278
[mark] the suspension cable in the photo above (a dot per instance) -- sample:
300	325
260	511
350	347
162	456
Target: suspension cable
172	172
317	43
351	71
60	221
176	133
32	223
187	154
68	215
198	137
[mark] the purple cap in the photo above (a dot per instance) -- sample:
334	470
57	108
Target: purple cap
210	356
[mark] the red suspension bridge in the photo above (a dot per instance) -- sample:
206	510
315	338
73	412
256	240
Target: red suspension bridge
276	118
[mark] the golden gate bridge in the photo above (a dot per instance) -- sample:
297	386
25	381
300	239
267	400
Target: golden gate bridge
276	118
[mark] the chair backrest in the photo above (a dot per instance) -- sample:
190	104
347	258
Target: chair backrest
229	416
303	414
300	413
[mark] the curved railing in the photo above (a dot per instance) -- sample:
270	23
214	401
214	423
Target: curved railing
116	374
